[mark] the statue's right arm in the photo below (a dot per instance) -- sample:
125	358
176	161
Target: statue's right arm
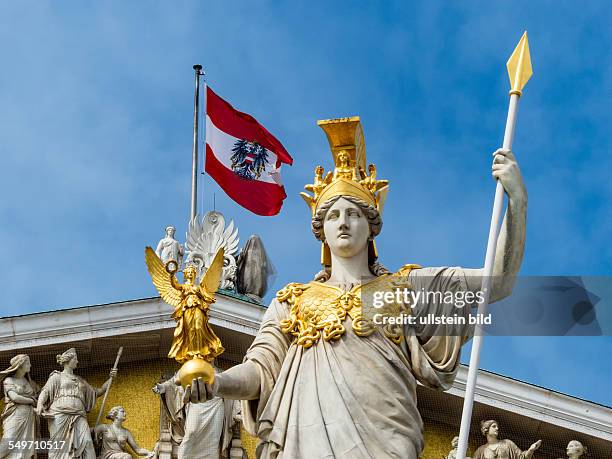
254	378
175	283
158	250
240	382
14	396
42	399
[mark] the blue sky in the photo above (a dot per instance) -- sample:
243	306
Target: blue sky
95	140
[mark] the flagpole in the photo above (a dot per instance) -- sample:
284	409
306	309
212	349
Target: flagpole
519	71
203	119
194	156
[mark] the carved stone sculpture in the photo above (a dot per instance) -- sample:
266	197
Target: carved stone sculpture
575	449
65	401
501	449
115	438
207	426
171	397
304	388
194	344
452	454
254	269
19	418
169	249
206	237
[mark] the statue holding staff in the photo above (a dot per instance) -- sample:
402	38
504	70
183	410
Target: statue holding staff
65	401
19	419
321	379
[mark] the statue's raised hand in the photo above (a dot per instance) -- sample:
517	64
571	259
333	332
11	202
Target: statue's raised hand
506	170
159	389
536	445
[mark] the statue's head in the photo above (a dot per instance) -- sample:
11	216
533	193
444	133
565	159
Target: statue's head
190	273
489	427
455	442
68	358
346	207
116	412
575	449
18	362
346	225
343	158
170	230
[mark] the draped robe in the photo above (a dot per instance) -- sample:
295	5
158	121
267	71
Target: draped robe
354	397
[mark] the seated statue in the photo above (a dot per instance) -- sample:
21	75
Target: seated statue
500	449
115	437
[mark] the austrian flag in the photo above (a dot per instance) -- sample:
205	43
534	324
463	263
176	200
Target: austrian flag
243	157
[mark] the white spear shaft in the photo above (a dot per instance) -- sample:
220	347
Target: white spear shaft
519	70
108	387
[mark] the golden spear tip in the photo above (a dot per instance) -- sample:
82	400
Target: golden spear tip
519	66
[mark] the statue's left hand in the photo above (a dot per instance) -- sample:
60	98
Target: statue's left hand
506	170
113	373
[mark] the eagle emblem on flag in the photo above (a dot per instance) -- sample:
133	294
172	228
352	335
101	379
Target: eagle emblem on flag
243	157
249	159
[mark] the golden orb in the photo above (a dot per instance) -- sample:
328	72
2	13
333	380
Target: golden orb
196	368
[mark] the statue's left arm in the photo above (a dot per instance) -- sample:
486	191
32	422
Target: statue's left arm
137	449
99	391
511	240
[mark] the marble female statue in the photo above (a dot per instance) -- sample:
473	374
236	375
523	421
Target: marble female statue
169	249
65	401
115	438
172	405
19	419
500	449
321	379
207	426
575	449
452	454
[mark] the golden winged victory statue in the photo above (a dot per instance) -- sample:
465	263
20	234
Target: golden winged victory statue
194	344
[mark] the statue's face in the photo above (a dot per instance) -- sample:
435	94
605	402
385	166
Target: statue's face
189	273
573	447
170	232
346	229
73	362
494	430
120	416
27	366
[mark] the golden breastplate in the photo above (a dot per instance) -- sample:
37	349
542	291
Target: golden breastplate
319	309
